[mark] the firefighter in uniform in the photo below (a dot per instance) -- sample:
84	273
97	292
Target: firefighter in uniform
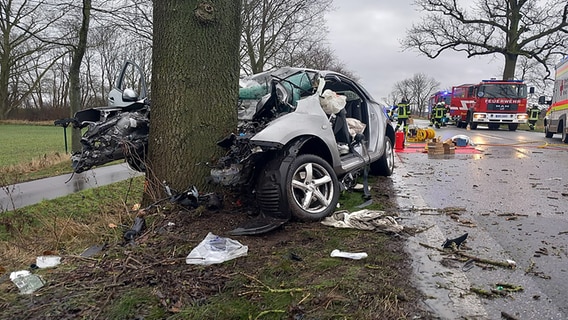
533	112
403	109
439	113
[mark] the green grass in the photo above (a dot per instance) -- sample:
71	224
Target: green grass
21	143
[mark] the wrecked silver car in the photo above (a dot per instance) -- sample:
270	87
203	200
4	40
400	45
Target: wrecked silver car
118	131
303	136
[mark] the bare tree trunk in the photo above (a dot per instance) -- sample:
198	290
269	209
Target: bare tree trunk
74	73
510	64
194	88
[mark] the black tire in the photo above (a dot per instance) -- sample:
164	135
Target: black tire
493	126
547	132
385	165
312	188
513	126
469	121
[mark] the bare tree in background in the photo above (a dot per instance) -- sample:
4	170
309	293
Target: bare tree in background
421	88
78	51
417	89
319	56
23	25
273	30
512	28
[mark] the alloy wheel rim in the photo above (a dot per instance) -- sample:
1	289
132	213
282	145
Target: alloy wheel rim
312	187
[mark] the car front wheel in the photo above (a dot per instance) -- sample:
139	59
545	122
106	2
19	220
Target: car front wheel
312	188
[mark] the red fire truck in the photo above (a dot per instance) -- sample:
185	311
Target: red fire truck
491	102
463	98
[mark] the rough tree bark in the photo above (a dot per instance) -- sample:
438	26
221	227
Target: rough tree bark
74	72
195	72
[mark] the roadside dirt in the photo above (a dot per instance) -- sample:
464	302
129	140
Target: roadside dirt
95	287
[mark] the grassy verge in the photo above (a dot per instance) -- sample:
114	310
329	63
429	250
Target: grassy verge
287	274
24	143
31	151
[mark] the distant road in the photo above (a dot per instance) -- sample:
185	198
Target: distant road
24	194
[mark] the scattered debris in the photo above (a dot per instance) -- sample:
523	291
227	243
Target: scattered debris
214	249
44	262
499	290
93	250
454	242
26	281
137	228
468	265
540	274
510	264
364	220
348	255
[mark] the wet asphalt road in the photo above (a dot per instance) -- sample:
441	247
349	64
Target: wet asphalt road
511	199
24	194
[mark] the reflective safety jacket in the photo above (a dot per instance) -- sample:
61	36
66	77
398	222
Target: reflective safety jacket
533	113
439	112
403	110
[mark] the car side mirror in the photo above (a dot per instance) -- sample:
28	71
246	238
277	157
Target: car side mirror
531	90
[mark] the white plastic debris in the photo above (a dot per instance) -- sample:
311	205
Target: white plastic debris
214	249
349	255
26	282
364	220
47	261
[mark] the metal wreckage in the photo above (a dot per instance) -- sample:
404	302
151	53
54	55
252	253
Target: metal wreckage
302	137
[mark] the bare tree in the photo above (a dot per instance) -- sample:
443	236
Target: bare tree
194	89
422	87
512	28
273	30
23	24
319	56
417	90
74	71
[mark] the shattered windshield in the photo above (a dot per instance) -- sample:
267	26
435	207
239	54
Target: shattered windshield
516	91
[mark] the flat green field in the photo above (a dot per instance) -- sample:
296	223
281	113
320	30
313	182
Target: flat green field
21	143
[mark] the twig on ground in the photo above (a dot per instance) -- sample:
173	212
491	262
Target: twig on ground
503	264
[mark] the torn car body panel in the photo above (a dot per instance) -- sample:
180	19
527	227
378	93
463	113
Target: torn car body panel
118	131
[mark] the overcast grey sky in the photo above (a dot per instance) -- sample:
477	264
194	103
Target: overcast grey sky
365	35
